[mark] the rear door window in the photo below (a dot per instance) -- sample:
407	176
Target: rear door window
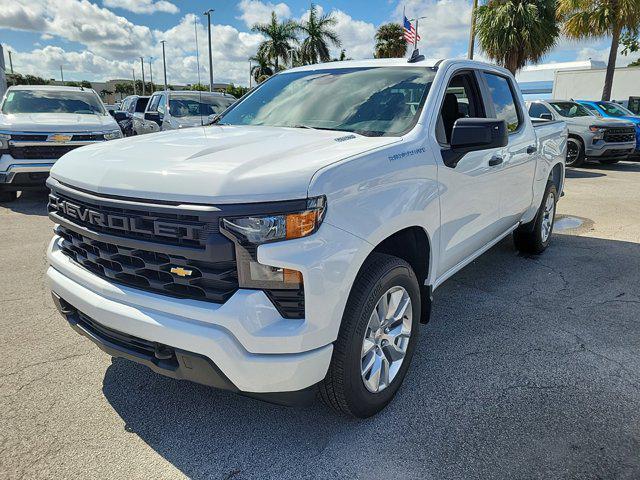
536	110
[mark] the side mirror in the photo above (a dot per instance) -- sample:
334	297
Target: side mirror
473	134
119	115
546	116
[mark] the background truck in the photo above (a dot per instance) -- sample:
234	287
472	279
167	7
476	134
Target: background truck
39	124
171	110
617	111
294	245
608	140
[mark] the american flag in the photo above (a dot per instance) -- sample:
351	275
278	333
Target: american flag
410	31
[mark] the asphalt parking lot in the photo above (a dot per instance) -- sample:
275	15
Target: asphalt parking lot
530	368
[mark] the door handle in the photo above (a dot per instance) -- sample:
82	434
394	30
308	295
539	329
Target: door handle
531	149
495	161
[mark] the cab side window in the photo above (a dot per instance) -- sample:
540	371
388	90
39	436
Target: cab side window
153	103
161	104
504	101
461	100
536	110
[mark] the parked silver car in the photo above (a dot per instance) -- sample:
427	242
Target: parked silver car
607	140
171	110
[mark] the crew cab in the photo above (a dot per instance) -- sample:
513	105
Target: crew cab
293	246
39	124
171	110
607	140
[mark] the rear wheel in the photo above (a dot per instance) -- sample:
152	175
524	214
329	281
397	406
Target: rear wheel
376	340
575	152
534	237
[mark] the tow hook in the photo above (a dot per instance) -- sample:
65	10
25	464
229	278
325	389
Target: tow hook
162	352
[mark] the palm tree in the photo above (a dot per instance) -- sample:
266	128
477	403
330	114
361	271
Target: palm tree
262	67
280	37
600	18
319	34
515	32
390	41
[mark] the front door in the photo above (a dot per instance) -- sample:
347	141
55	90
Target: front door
469	202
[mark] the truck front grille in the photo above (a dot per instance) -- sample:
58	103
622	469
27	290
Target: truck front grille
152	271
620	135
40	152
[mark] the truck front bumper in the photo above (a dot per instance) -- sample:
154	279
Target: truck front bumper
25	176
602	149
243	345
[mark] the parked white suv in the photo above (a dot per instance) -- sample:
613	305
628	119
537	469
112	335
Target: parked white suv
171	110
39	124
294	245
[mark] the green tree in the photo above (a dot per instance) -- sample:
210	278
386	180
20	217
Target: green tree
516	32
124	89
318	34
390	41
280	38
19	79
262	67
597	19
236	90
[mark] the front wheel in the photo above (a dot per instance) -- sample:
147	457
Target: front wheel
376	339
534	237
575	152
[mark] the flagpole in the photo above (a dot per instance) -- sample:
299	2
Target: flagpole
415	40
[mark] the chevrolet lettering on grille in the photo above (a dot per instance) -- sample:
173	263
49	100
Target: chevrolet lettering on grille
85	215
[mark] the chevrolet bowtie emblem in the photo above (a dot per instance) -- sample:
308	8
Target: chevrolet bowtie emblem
181	272
57	137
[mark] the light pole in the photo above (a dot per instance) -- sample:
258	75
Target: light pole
472	32
151	72
133	71
10	62
208	14
142	63
164	64
61	75
250	74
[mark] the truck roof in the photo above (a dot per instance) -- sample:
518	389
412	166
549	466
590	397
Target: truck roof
392	62
49	87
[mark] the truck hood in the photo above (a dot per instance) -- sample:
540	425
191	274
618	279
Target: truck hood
600	122
213	164
56	122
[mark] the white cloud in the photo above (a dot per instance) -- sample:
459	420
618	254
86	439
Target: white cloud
255	11
143	6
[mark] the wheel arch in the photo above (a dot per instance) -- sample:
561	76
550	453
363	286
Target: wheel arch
413	245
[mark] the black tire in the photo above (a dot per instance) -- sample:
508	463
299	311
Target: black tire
574	145
529	238
8	196
343	388
608	161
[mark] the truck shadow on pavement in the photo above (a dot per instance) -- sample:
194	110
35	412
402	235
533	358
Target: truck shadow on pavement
30	203
529	369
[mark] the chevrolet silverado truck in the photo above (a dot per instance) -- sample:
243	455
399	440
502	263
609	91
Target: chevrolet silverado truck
39	124
606	140
292	247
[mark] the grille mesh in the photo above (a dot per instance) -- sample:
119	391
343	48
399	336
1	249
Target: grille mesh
214	282
620	135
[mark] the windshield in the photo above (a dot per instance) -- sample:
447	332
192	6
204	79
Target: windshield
570	109
615	110
190	104
369	101
52	101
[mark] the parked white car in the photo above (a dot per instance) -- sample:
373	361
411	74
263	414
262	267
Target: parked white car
171	110
39	124
294	245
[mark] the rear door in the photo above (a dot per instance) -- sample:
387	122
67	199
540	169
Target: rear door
469	202
518	167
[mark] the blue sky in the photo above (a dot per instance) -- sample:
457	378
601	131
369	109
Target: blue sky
103	39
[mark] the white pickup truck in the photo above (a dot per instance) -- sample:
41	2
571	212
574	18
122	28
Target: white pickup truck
39	124
294	245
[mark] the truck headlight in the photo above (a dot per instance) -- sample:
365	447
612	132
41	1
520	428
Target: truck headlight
250	231
4	141
113	135
599	132
272	228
